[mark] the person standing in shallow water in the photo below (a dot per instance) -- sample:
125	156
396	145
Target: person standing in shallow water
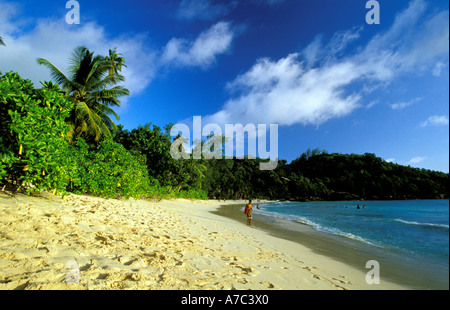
248	211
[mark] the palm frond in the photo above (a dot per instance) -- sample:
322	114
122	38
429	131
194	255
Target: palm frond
116	91
102	126
55	73
108	123
102	84
75	60
87	87
103	109
98	71
108	97
87	121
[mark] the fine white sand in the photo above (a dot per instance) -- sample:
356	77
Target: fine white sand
92	243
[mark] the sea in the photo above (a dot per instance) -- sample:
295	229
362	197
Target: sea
413	231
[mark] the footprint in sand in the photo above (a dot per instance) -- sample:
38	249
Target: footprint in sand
245	269
126	260
309	268
267	284
342	281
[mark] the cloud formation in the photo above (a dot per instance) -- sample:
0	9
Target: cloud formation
55	40
201	52
283	92
416	160
318	84
436	121
404	104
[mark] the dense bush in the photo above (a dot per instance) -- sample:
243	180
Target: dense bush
152	146
35	150
33	140
109	170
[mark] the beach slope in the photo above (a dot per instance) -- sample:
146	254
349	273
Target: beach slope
93	243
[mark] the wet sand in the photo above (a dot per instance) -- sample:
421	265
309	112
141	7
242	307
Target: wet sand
394	268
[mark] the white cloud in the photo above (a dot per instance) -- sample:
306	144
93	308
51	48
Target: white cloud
313	86
55	40
317	52
312	53
283	92
439	67
203	9
7	12
414	44
412	162
342	39
203	51
400	105
372	104
405	104
416	160
436	121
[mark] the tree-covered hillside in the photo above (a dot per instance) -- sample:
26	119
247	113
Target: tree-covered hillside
321	176
340	176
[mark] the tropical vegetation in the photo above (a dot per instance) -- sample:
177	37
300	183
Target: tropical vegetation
87	87
60	138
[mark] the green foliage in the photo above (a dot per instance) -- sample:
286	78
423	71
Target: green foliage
34	150
35	153
187	194
318	175
364	176
5	162
109	170
152	145
87	86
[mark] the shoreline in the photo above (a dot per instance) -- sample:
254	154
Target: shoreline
143	245
353	252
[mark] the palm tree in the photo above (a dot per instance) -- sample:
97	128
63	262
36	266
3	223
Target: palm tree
1	42
115	61
87	86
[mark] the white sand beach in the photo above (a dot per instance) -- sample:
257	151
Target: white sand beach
92	243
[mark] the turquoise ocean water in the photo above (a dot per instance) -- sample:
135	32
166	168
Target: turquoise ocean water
416	230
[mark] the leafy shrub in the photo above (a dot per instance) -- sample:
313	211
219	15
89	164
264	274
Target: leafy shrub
34	148
193	194
109	170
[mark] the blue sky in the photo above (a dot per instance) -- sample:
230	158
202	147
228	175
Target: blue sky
315	68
